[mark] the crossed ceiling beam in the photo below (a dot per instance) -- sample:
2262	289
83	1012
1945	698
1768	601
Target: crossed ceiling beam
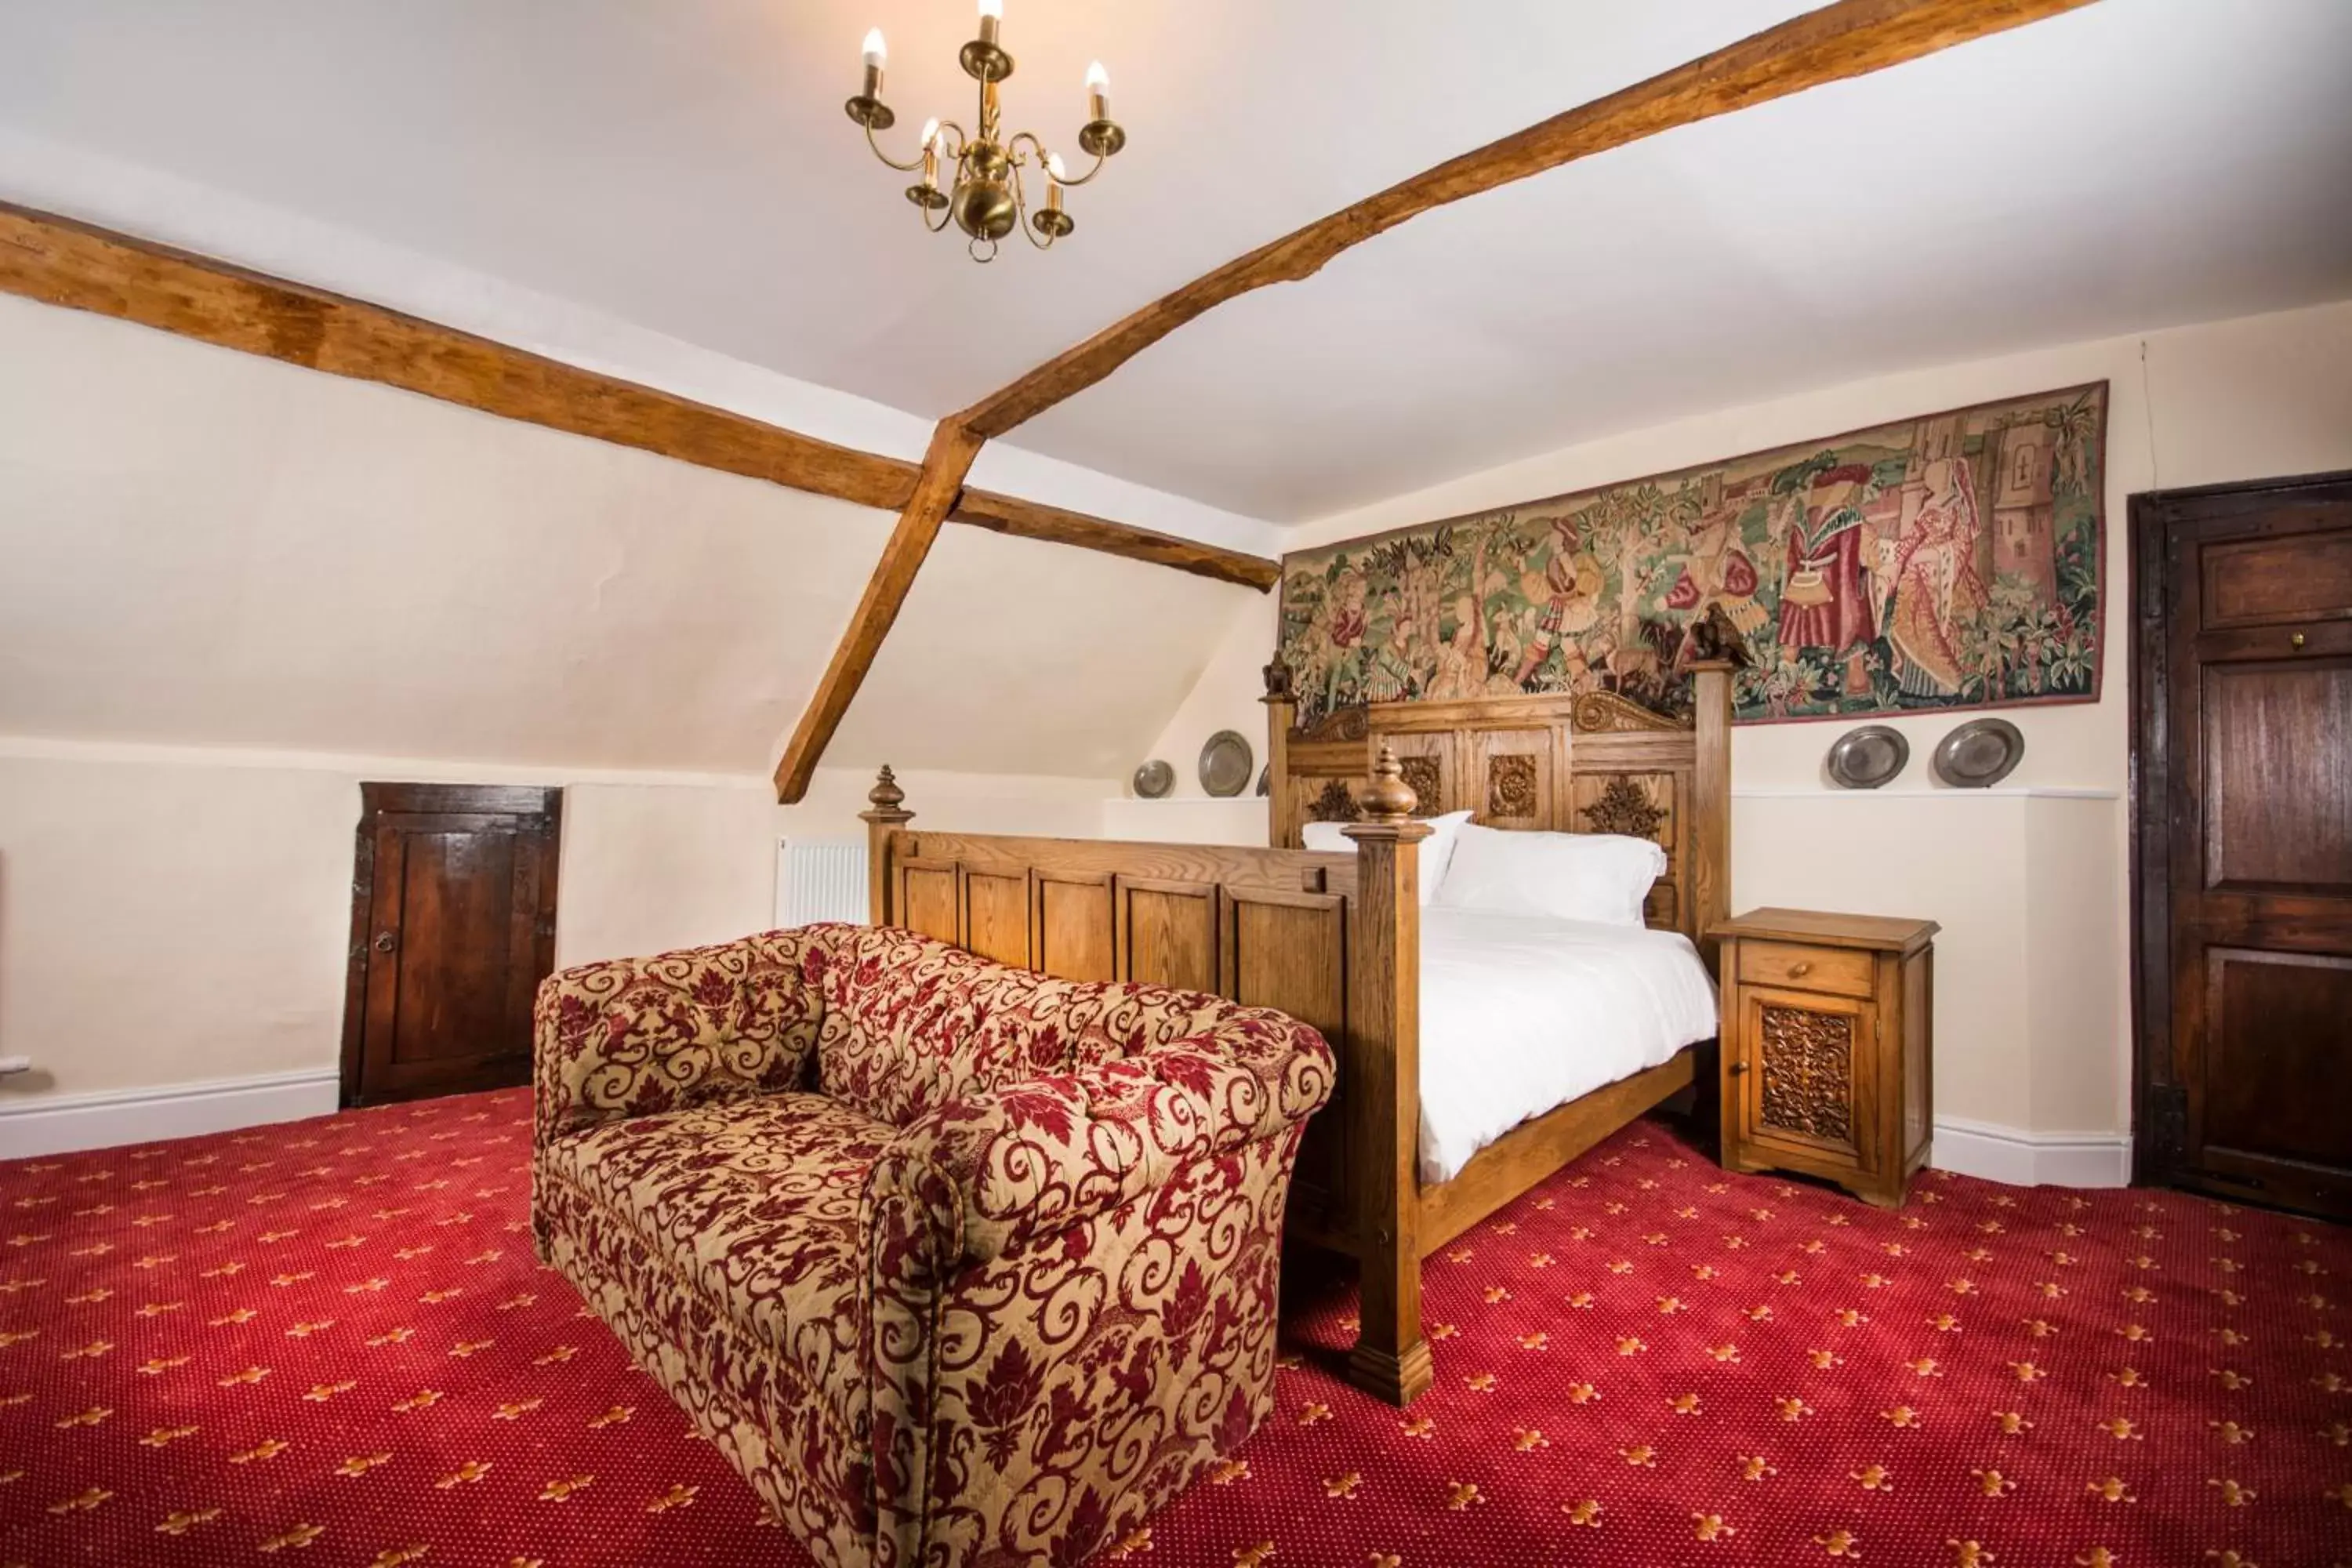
61	262
1846	39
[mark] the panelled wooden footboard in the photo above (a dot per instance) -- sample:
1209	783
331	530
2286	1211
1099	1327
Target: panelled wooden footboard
1269	927
1335	939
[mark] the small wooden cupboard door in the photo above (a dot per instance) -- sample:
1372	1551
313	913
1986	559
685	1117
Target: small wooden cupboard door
453	927
1808	1077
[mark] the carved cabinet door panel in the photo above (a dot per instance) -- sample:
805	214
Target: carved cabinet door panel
1808	1075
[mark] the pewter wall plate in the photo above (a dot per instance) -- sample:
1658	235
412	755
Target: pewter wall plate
1979	753
1154	779
1867	757
1266	781
1227	764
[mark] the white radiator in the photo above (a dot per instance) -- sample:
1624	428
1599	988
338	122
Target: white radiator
816	880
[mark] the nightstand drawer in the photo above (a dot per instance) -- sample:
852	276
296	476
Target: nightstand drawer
1837	971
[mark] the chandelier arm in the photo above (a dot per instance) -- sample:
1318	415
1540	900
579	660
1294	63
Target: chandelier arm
1090	173
1021	206
939	139
906	168
1018	137
946	214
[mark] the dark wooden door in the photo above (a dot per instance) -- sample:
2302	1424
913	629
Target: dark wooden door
2244	834
452	928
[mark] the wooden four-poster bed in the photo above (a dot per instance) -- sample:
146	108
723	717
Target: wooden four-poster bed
1335	939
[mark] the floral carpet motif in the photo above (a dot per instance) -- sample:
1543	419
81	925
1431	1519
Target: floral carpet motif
328	1344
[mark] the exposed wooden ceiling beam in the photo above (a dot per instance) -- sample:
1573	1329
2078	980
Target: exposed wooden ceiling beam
1034	520
61	262
944	467
1848	39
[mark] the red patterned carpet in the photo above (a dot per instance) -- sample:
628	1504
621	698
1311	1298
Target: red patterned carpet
328	1344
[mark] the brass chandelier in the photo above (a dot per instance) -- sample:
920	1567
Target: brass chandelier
985	198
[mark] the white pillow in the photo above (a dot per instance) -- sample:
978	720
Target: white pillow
1436	850
1601	876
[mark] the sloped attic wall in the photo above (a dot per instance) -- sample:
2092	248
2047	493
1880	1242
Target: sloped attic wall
233	589
213	549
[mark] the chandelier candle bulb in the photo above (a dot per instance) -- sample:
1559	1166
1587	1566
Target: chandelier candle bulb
992	16
1098	92
878	54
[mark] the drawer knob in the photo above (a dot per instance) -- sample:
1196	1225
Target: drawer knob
1799	968
1739	1068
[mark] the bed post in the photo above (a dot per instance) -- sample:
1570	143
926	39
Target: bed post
1383	1104
885	817
1712	655
1281	711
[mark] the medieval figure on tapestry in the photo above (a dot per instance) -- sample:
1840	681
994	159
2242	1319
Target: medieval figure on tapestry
1950	560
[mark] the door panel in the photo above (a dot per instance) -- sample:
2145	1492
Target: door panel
2244	865
453	927
2278	748
2276	1018
1810	1079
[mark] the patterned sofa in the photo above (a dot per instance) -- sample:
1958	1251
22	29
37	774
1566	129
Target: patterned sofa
957	1263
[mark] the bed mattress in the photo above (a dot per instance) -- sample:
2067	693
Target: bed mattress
1520	1014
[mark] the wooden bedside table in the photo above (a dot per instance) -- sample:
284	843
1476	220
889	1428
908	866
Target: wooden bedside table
1825	1057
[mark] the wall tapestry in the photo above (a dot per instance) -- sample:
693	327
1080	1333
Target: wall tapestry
1950	560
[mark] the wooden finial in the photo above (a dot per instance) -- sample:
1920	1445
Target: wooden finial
1277	682
888	800
1388	798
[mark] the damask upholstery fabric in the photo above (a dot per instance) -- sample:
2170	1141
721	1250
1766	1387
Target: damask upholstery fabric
1003	1283
702	1024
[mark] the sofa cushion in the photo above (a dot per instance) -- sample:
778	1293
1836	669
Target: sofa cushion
755	1204
912	1024
635	1036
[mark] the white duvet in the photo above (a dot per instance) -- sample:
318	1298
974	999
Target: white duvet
1520	1014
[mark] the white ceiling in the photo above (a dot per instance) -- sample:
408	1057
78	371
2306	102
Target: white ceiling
686	167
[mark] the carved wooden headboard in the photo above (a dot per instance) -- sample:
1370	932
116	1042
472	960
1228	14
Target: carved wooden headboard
1587	764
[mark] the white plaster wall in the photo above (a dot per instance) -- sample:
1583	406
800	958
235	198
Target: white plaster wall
652	867
176	915
2032	1002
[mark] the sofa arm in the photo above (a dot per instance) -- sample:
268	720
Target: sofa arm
1034	1158
637	1036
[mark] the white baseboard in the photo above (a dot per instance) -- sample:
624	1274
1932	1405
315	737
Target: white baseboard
2025	1159
63	1123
